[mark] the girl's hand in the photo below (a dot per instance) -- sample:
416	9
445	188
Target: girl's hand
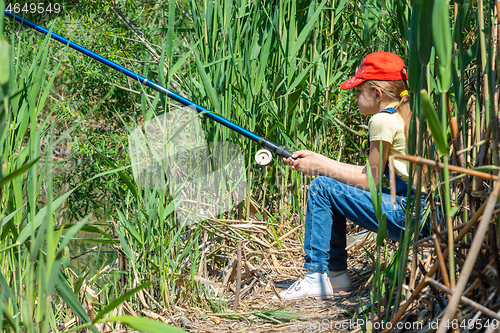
308	162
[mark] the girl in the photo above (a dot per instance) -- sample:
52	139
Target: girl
341	190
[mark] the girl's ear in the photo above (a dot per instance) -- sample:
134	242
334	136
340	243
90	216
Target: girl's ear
378	94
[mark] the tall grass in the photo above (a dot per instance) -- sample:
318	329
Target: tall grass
36	294
274	68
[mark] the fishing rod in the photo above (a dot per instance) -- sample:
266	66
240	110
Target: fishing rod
263	157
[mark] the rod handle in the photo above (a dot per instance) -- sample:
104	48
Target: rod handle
278	150
286	153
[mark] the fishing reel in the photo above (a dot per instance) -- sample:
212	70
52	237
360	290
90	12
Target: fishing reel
263	157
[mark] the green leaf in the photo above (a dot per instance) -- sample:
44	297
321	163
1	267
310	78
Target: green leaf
264	316
9	217
66	260
425	31
6	293
182	60
207	84
2	35
169	47
126	249
454	210
97	240
78	283
382	230
434	124
91	228
264	55
4	62
64	290
129	227
18	172
119	301
300	77
121	174
471	53
487	168
414	63
145	324
442	42
306	30
40	216
377	205
68	236
26	232
285	315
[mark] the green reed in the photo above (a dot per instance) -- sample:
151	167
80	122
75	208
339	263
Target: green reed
33	248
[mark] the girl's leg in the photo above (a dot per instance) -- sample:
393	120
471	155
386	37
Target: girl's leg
320	233
338	254
319	237
329	203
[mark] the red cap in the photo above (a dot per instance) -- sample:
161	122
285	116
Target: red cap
384	66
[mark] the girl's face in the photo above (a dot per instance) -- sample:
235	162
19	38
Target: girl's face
367	98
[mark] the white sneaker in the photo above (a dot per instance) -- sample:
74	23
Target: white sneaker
302	289
340	281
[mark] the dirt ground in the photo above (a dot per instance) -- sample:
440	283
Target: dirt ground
320	315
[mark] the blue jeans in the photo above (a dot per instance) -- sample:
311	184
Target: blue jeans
329	203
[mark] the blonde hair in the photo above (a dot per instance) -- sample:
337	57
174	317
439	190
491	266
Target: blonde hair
393	90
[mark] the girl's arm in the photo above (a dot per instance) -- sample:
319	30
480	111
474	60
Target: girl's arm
313	164
342	166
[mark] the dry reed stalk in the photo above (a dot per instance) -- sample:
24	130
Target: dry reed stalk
471	258
260	241
420	160
273	287
413	296
466	300
428	262
67	325
497	47
461	261
363	241
158	305
285	236
457	146
229	271
155	316
434	269
442	264
220	233
238	277
440	234
425	266
128	309
457	246
247	290
493	231
477	280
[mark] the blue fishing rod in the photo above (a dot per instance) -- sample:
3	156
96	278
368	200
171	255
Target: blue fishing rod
262	159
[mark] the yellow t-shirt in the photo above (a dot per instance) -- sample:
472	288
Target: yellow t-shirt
389	127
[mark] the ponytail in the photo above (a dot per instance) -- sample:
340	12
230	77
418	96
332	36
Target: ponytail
405	111
397	91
